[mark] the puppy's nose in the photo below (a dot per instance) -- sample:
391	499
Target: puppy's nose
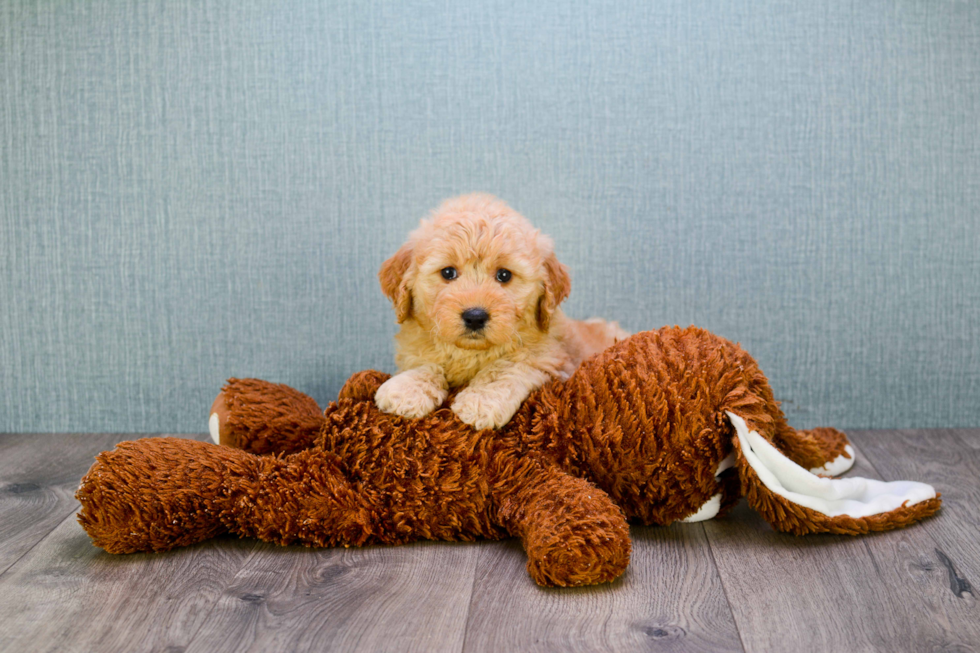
475	318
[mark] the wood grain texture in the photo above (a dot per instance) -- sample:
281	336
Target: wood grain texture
70	596
38	477
669	599
67	595
949	460
835	593
404	598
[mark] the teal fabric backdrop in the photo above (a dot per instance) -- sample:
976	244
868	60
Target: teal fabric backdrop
196	190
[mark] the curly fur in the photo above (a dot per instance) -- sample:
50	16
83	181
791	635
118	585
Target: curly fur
637	433
527	340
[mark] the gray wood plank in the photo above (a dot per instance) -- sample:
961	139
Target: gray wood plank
835	593
402	598
669	599
67	595
950	460
39	474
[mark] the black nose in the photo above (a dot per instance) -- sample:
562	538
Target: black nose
475	318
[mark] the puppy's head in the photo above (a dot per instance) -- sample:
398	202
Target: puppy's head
476	274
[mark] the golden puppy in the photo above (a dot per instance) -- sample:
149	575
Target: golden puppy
476	290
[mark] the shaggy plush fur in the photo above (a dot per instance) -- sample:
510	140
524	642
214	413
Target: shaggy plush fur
639	432
478	254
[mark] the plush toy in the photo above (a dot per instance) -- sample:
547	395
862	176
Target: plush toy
668	425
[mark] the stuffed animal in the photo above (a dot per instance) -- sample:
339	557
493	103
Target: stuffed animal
668	425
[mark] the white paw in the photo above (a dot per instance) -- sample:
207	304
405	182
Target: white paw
214	428
409	396
706	511
483	409
712	506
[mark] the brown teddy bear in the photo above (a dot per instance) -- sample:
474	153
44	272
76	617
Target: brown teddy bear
667	425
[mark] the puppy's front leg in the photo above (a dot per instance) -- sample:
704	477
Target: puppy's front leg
413	393
496	392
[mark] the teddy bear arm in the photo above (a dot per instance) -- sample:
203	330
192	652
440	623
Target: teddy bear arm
573	533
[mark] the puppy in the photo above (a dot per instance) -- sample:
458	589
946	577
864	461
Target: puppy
476	290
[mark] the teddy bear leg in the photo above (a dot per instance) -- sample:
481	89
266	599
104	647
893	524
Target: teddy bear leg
572	531
362	386
157	494
262	417
306	498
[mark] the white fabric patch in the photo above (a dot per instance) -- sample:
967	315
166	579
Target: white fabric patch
712	505
838	465
727	463
707	511
853	497
213	426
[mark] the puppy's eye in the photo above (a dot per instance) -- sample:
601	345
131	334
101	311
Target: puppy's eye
503	276
449	273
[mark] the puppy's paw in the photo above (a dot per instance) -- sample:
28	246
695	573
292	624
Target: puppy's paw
408	395
485	408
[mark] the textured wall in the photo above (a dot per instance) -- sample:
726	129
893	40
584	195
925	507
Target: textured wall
196	190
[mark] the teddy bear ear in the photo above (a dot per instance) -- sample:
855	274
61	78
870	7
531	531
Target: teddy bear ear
557	285
795	500
394	282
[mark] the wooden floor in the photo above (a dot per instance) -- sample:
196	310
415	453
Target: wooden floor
728	585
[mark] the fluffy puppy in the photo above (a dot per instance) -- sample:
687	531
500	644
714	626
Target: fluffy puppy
476	290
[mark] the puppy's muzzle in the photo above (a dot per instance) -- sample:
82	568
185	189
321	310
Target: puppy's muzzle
475	318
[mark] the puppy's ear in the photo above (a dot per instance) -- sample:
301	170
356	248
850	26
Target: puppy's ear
557	285
395	282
